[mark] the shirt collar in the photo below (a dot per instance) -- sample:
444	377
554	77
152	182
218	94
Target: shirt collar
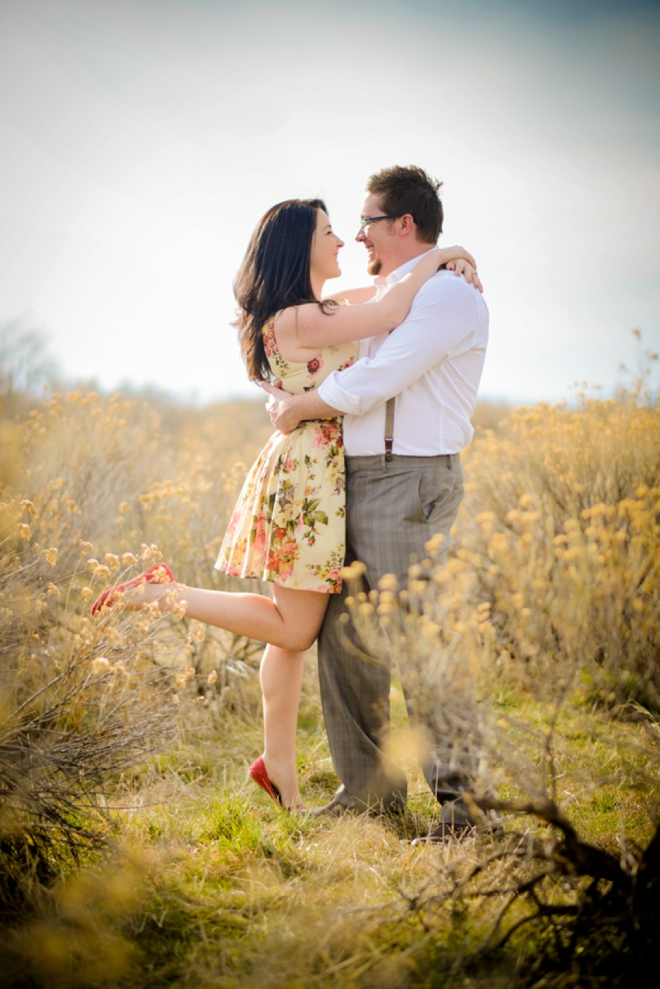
396	275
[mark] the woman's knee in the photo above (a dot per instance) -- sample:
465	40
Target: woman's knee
302	614
301	640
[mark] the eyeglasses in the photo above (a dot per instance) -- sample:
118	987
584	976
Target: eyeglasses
366	220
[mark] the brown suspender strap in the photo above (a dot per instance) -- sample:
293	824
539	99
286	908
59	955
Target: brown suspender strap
389	428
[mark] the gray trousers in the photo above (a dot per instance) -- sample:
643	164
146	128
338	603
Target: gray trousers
392	510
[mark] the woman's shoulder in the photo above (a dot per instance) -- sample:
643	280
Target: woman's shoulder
354	296
284	325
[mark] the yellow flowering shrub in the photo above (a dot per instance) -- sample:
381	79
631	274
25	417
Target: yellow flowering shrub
561	530
554	570
97	492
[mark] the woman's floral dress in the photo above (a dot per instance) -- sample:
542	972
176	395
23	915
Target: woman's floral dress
288	524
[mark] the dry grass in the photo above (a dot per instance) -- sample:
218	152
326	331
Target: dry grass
214	886
186	874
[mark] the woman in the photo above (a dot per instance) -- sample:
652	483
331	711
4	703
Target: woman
288	525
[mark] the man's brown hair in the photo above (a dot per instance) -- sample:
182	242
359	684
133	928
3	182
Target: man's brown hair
410	190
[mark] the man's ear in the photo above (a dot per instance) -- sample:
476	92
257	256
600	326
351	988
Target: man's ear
407	225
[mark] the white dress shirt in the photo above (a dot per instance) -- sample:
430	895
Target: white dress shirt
432	362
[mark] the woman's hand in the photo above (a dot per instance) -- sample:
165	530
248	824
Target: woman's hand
460	261
455	253
463	267
455	259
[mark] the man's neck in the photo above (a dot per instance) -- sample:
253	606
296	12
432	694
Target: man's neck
415	251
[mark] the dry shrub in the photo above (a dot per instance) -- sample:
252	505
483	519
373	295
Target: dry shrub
82	698
552	907
554	585
490	415
81	701
554	576
547	910
540	899
561	532
566	586
106	489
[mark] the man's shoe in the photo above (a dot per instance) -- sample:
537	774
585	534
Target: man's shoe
444	834
334	809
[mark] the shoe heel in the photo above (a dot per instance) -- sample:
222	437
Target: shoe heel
258	773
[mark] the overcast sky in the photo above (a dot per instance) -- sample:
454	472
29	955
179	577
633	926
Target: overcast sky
142	140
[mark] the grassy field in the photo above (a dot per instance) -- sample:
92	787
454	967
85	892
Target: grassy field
134	851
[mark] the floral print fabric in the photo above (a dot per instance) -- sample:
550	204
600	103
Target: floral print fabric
288	524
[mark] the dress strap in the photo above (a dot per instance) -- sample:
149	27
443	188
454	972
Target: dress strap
268	334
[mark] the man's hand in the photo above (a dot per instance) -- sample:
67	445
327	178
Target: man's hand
281	408
469	272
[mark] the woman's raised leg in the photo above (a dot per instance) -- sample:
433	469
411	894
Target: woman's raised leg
290	620
290	624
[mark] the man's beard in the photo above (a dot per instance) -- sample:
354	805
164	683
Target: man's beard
374	266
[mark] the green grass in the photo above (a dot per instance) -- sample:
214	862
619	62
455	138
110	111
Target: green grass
212	885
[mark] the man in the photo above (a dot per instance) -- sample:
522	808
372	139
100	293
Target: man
396	500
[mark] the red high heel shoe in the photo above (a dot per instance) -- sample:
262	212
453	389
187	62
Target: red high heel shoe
258	773
160	573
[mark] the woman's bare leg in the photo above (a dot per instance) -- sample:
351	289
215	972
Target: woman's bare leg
290	623
281	681
291	620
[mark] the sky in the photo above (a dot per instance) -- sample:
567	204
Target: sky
143	139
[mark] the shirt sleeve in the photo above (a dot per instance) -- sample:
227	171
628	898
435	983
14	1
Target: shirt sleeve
441	323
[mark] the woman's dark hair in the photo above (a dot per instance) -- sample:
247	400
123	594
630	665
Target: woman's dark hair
274	274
